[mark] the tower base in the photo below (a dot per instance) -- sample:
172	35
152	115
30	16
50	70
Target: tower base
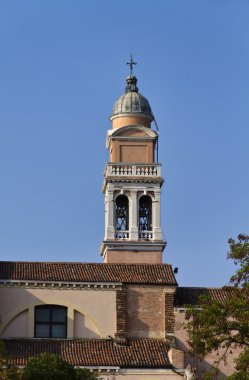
125	252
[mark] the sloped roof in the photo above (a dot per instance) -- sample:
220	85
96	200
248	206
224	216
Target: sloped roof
87	272
189	296
141	353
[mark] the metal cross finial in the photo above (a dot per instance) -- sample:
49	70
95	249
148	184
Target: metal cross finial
131	63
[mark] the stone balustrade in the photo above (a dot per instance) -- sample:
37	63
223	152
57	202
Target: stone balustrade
134	170
122	234
145	235
125	235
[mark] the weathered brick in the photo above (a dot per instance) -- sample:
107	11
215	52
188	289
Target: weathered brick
121	313
145	311
169	313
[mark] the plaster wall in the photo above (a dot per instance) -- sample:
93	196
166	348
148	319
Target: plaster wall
18	326
141	374
123	121
84	327
133	132
130	257
132	151
97	306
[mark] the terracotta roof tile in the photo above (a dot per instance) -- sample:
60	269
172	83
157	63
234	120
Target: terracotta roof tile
189	296
142	353
87	272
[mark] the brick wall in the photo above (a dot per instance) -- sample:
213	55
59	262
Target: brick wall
176	357
121	313
169	313
145	311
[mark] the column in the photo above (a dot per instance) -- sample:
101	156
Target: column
133	216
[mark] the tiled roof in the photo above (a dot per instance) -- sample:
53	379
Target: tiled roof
189	296
142	353
87	272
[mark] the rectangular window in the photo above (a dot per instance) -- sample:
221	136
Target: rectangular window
50	321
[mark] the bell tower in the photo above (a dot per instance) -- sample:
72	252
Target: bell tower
132	183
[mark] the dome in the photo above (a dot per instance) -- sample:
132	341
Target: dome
132	102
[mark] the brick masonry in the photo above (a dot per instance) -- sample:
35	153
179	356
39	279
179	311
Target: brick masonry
177	357
169	314
145	311
121	313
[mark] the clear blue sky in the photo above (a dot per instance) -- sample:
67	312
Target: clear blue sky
62	66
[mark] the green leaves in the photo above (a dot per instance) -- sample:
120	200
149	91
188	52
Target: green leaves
49	367
220	326
52	367
239	253
43	367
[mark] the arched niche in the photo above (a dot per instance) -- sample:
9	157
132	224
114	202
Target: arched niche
145	222
121	214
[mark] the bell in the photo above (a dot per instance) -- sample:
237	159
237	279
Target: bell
143	213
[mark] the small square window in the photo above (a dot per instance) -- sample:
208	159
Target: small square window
50	321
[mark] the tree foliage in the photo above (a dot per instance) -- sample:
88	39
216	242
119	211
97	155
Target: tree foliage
52	367
49	367
222	326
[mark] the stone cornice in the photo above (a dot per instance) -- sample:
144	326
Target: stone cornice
61	285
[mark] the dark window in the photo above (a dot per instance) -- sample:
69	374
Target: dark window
145	213
122	213
50	321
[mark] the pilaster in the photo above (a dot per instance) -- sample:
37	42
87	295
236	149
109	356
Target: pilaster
157	231
134	216
109	215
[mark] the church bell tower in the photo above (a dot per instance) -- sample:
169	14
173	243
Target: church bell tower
132	182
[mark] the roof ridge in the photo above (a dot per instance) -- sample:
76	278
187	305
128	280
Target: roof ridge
82	263
200	287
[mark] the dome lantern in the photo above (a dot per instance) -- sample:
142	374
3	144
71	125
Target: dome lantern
131	108
132	103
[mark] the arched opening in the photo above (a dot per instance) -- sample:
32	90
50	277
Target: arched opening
122	216
145	215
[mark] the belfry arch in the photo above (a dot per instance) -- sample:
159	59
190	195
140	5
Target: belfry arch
145	213
121	216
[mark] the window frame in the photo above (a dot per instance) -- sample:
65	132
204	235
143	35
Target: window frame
50	323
